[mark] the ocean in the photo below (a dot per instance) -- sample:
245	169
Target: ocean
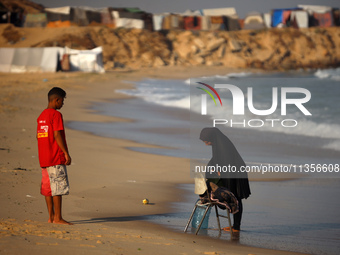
300	214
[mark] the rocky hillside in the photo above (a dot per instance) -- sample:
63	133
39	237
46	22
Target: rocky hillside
272	49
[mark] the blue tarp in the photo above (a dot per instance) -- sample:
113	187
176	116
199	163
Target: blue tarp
277	16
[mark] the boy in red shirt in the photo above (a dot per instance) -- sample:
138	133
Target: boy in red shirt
53	155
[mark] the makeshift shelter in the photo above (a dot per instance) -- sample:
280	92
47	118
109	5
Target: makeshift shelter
21	60
86	60
299	19
281	17
170	21
322	19
320	16
217	23
132	18
205	23
254	20
157	20
58	17
106	17
35	20
192	23
129	23
231	23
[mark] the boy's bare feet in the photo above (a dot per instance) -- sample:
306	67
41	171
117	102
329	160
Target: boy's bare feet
50	220
62	221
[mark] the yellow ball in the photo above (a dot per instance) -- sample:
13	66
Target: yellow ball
145	201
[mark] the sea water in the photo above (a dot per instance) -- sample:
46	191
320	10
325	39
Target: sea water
298	215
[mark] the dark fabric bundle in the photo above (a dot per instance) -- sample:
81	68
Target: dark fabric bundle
225	198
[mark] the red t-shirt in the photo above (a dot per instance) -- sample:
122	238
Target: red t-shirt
50	154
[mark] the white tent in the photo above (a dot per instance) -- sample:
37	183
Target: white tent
21	60
86	60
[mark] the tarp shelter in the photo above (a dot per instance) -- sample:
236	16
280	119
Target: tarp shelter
217	23
205	23
86	60
231	23
132	18
106	17
280	17
254	20
58	14
192	23
299	19
21	60
35	20
129	23
171	21
157	20
321	16
322	19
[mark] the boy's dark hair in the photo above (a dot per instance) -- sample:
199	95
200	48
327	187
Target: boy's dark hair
56	92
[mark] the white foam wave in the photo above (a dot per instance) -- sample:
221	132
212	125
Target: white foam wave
335	145
333	74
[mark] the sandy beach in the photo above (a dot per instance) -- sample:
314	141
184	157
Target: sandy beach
108	181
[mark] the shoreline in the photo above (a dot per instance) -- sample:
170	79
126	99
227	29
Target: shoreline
103	197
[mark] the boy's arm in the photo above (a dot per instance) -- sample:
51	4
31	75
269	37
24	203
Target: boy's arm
60	141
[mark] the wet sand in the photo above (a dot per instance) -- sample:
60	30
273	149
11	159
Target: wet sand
108	182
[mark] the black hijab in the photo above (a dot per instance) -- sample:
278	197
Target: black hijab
225	154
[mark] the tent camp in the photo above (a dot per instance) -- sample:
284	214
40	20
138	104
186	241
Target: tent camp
21	60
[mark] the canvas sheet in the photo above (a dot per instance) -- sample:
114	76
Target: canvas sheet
61	10
267	19
6	58
86	60
129	23
157	21
300	17
219	12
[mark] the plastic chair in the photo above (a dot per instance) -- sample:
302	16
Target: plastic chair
200	188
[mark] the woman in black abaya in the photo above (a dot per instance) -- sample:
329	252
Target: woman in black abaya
225	154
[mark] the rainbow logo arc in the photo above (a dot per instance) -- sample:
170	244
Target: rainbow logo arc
209	93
